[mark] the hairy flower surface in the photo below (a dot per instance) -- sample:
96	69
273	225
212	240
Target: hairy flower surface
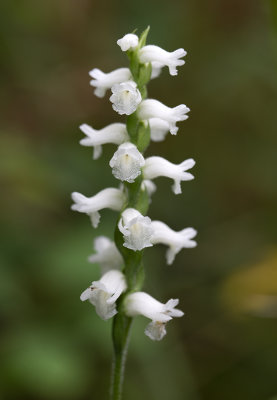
108	198
141	303
104	293
136	229
104	81
107	254
151	108
175	240
125	98
127	42
114	133
126	162
158	166
172	60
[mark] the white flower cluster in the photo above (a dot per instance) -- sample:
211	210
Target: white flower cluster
128	164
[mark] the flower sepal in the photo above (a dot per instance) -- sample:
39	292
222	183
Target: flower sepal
133	54
143	135
144	76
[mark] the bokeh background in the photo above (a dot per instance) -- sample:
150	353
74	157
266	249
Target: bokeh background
52	345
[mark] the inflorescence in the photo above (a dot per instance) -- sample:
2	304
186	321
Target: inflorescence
119	288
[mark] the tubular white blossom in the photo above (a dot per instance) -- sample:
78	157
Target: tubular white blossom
136	229
159	128
151	108
114	133
158	166
125	98
107	254
175	240
104	293
172	60
141	303
126	162
108	198
104	81
127	42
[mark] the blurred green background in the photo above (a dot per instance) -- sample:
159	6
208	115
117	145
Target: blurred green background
52	345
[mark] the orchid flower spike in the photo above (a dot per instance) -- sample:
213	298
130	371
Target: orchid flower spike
175	240
172	60
126	162
125	98
136	229
158	166
104	293
140	303
151	108
159	128
108	198
114	133
104	81
127	42
107	254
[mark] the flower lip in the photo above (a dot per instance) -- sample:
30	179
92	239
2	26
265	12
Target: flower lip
126	162
125	98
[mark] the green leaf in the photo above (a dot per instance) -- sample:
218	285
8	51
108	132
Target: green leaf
143	37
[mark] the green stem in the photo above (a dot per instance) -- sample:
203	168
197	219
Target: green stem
120	354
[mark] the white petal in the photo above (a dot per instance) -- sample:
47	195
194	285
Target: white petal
125	98
159	128
107	198
141	303
152	54
136	229
151	108
107	254
114	133
149	186
104	81
126	162
127	42
104	293
156	69
175	240
158	166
